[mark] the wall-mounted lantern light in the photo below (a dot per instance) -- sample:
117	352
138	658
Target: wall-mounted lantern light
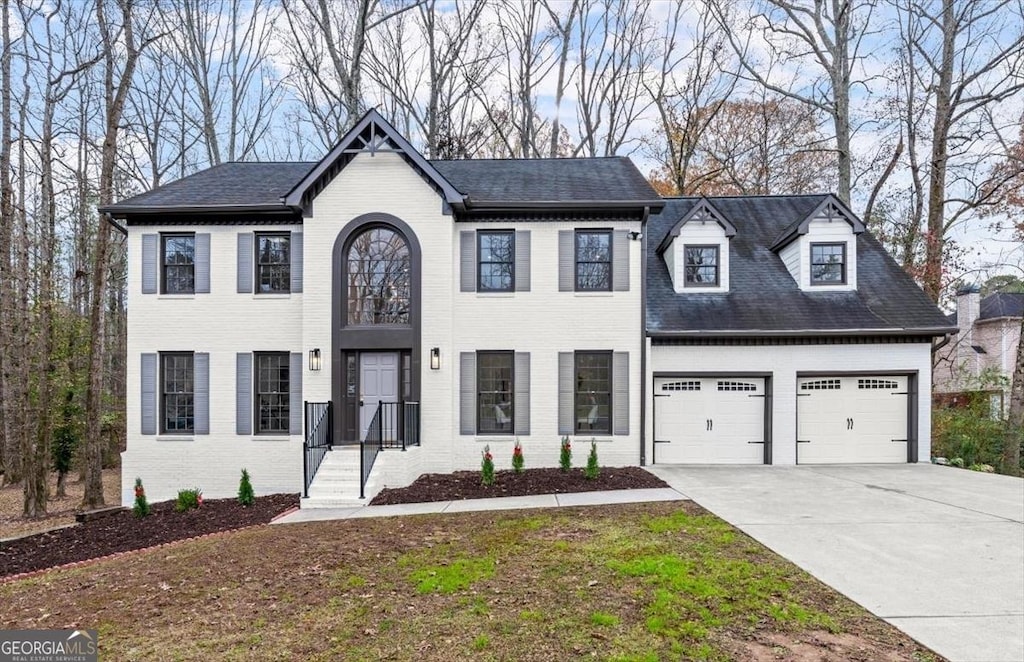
435	358
314	359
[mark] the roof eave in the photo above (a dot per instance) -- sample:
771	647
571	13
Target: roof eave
799	333
121	211
540	205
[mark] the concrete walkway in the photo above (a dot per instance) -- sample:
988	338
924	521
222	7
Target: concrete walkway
936	551
475	505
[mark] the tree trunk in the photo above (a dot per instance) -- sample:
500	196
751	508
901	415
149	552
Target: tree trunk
114	96
1014	434
934	239
8	452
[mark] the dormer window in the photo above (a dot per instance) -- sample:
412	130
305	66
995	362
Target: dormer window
828	264
701	266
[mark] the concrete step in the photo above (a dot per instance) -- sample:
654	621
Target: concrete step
332	502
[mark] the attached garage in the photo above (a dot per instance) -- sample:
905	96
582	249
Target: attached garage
855	419
711	420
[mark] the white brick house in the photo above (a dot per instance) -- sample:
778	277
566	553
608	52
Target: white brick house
441	306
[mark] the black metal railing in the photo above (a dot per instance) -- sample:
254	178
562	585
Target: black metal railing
394	425
319	440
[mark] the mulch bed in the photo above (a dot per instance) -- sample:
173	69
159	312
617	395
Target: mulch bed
467	485
122	532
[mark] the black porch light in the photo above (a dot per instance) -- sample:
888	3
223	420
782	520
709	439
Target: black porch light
435	358
314	359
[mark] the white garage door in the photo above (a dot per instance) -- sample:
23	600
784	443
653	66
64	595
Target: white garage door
851	419
709	420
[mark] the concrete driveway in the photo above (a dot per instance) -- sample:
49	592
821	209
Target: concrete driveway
936	551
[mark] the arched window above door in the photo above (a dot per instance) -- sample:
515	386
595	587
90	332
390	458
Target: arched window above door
378	278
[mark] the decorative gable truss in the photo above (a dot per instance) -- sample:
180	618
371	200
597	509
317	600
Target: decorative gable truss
371	135
820	250
696	250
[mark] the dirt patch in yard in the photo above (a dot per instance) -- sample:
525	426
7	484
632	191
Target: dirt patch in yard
467	484
61	511
122	531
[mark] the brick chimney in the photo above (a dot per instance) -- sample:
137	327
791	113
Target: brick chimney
968	307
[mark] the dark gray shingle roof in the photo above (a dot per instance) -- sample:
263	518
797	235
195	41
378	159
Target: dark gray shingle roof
764	297
613	179
486	182
227	184
1002	304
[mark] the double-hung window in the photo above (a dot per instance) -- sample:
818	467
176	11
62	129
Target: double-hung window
594	260
828	264
178	263
593	392
701	267
496	260
272	393
177	392
273	263
495	392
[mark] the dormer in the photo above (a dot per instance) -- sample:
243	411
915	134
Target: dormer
696	250
820	250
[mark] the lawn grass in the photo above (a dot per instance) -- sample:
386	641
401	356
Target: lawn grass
635	582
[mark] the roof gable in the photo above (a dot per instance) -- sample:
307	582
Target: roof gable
703	212
831	208
370	135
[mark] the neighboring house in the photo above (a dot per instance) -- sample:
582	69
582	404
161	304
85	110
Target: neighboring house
982	355
440	306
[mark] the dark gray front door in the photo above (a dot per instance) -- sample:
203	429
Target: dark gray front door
378	381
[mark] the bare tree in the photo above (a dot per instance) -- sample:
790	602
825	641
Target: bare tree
328	47
829	36
960	68
687	90
121	41
223	50
442	53
9	454
617	42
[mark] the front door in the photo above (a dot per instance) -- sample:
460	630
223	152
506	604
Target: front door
378	382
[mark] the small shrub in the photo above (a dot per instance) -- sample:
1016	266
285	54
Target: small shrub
983	468
141	507
487	467
565	457
593	469
517	458
246	496
968	432
188	500
956	462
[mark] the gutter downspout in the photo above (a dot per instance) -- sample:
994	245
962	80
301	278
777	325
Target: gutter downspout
117	226
945	341
643	336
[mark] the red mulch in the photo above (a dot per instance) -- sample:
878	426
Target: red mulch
467	484
122	532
